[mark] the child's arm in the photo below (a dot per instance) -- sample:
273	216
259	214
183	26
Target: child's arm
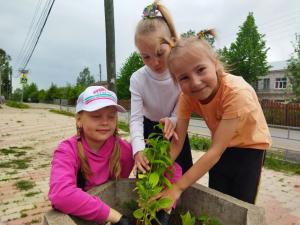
177	143
65	195
223	135
137	127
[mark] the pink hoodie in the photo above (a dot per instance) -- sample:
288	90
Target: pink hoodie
64	193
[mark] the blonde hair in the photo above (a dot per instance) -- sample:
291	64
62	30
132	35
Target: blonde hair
191	44
114	162
148	25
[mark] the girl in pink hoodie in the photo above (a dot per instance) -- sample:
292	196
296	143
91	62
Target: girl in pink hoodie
92	157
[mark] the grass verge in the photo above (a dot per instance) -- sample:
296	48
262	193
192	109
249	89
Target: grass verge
18	105
62	112
121	124
274	161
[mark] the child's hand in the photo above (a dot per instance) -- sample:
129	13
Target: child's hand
168	128
141	162
171	193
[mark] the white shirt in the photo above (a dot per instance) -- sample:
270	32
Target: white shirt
153	96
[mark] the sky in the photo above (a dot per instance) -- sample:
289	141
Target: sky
74	35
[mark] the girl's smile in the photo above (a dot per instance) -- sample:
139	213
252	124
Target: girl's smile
195	73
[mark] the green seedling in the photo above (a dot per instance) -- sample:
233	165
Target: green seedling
154	181
188	219
206	220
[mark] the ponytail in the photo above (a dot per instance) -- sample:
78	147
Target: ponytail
114	162
152	21
85	168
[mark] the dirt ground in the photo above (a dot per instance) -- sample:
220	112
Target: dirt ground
28	138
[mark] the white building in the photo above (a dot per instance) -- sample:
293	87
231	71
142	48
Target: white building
275	85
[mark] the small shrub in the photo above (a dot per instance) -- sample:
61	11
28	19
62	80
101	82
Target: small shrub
199	143
154	181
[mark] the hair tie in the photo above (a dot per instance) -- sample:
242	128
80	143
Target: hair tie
171	44
150	11
202	34
206	34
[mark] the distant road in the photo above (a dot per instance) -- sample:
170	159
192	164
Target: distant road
282	138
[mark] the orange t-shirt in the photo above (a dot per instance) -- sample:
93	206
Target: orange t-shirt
234	99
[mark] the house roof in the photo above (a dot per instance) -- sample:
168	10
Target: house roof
278	65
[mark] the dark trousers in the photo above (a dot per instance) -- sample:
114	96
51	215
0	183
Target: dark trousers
185	157
237	173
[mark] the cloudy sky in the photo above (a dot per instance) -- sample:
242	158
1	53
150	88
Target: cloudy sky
74	36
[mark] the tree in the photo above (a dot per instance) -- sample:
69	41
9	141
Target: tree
85	78
30	93
17	95
5	73
247	56
132	64
293	69
52	93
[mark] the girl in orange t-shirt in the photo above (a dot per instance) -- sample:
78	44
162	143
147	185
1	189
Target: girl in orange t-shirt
230	107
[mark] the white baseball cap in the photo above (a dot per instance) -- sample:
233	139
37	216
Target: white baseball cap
97	97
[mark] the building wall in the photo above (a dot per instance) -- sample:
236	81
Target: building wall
272	91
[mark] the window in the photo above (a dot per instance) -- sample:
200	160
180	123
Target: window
266	83
280	83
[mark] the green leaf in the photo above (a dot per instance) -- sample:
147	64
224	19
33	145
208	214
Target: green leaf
138	214
153	179
164	203
187	219
141	176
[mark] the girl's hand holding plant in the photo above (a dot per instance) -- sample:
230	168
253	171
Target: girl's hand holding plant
141	162
172	193
168	128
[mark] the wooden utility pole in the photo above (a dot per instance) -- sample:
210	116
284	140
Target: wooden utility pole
110	44
100	73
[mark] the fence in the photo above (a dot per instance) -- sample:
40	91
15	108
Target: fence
284	114
276	113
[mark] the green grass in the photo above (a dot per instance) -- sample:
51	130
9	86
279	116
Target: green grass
24	185
33	221
123	126
199	143
276	162
273	161
30	194
62	112
12	172
16	163
15	151
18	105
24	215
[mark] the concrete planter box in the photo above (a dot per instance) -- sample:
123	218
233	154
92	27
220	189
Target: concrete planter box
197	199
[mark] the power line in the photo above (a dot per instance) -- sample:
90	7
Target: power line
33	35
29	55
38	6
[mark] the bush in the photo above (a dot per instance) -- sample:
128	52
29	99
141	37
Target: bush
199	143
